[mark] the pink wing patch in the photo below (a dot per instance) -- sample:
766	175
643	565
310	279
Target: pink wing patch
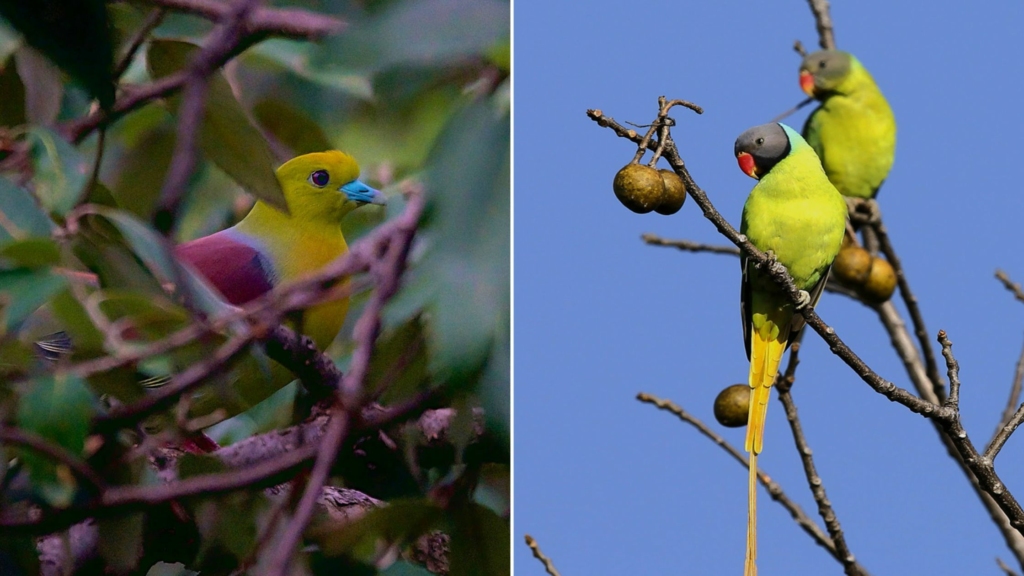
237	270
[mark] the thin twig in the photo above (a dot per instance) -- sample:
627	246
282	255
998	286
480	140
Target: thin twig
153	19
792	110
1010	285
292	23
785	385
823	22
1013	402
689	246
1002	565
549	566
953	370
57	453
773	487
931	366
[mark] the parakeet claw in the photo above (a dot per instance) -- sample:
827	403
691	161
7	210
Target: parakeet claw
803	300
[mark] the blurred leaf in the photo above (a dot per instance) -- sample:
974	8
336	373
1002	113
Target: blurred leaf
501	54
479	542
427	32
226	136
15	359
293	56
399	362
61	171
20	216
291	127
12	95
467	224
43	86
75	35
165	569
9	39
151	317
402	568
120	542
143	168
228	525
22	291
88	341
29	253
399	521
18	555
58	407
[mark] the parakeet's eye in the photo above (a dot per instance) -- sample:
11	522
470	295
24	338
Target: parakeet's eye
821	64
320	178
760	141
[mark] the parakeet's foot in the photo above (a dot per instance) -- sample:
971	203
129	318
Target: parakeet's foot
803	300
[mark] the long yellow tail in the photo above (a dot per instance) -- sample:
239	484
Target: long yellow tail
765	354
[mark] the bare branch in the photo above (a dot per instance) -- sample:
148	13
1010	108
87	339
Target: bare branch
689	246
549	566
1013	402
823	22
1010	285
285	22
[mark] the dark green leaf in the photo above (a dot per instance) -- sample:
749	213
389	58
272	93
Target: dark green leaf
226	135
43	86
61	171
428	32
75	35
142	172
22	291
401	521
12	95
20	216
468	224
120	542
291	127
399	362
59	408
29	253
480	542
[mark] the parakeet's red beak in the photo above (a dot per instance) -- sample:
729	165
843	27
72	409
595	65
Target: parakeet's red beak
807	82
746	162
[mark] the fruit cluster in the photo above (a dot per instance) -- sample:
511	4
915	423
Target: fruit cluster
871	277
642	189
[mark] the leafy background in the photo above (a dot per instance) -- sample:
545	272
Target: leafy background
418	91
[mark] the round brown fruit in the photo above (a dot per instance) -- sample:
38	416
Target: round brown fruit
881	282
733	405
639	188
675	193
852	266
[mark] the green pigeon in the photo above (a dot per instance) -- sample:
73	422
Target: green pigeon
853	131
796	216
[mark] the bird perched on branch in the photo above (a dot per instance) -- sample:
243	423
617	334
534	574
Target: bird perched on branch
265	249
853	131
798	218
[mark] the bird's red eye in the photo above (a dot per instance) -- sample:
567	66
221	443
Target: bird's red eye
320	178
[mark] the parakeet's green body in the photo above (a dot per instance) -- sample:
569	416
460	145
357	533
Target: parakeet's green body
797	215
853	131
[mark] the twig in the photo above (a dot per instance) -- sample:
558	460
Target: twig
285	22
931	366
773	487
1014	400
1010	285
689	246
792	110
153	19
953	368
823	22
1002	565
220	45
549	566
785	384
57	453
1003	434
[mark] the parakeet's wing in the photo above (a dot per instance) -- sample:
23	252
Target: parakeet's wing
236	269
812	132
745	303
815	293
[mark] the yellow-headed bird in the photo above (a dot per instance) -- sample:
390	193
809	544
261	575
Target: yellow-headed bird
853	131
798	217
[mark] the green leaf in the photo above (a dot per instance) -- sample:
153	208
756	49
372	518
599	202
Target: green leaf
12	95
29	253
446	32
399	362
22	291
402	568
43	87
61	171
226	135
291	127
142	173
120	542
74	35
20	216
401	521
467	223
58	407
479	542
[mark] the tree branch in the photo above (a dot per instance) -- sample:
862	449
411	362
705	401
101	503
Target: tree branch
549	566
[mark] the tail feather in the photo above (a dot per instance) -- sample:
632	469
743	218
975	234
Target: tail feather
765	354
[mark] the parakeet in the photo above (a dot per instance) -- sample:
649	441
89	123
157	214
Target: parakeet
853	131
798	217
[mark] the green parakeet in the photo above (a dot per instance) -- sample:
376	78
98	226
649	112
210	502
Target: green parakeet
853	131
798	217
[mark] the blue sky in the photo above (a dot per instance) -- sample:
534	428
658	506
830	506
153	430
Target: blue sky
611	486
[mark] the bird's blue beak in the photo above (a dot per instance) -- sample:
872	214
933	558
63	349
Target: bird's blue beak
359	192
